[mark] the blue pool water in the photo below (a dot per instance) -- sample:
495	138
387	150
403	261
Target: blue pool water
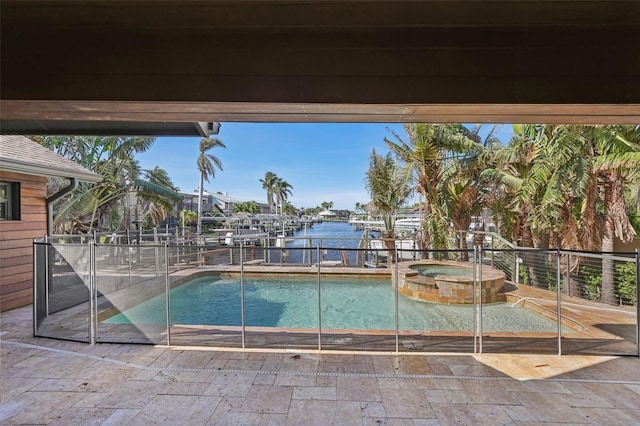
351	303
433	270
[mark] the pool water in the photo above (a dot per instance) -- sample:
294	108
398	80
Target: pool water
433	270
353	303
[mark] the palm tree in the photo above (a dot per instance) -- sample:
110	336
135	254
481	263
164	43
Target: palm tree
617	162
158	194
430	150
464	199
93	207
207	164
269	184
389	187
282	190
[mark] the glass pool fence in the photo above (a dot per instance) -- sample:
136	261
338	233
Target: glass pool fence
311	294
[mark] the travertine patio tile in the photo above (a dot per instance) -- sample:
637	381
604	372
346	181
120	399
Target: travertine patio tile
243	364
264	379
104	372
545	386
131	394
384	365
71	385
134	359
229	404
423	383
619	396
372	409
635	388
165	409
388	383
184	388
272	362
488	392
268	399
216	363
351	368
471	414
37	407
185	376
586	400
326	381
405	403
441	369
614	416
121	416
386	421
273	420
47	386
231	384
323	413
414	365
235	418
84	417
295	380
358	389
520	414
555	410
447	396
426	422
291	363
165	358
315	392
12	386
192	359
478	370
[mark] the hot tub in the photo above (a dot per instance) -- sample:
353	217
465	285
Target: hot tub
449	282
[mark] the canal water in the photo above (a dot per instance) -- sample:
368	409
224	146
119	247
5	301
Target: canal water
334	239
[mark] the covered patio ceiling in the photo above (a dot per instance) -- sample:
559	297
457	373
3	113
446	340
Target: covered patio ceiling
172	67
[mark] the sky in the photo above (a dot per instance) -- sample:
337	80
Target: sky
322	161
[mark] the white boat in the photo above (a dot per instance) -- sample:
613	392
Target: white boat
407	249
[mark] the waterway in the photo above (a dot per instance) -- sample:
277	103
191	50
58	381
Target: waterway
331	237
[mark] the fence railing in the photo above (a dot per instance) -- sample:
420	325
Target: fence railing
329	294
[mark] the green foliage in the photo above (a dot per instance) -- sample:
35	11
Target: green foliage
187	217
246	207
626	273
523	275
592	277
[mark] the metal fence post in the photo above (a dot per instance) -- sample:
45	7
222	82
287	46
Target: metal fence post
517	268
319	303
568	274
396	300
242	292
93	294
475	299
558	296
168	292
48	274
638	301
480	263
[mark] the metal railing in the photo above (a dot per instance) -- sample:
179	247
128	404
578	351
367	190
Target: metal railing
96	292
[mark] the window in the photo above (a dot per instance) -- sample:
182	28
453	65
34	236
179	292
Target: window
9	201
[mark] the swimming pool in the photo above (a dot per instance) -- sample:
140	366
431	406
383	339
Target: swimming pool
346	303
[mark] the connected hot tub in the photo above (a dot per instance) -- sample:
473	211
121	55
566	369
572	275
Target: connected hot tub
449	282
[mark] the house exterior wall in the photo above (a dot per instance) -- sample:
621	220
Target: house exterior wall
16	240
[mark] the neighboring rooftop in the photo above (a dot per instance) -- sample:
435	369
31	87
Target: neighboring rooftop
22	155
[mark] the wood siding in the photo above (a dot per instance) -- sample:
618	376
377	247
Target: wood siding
16	241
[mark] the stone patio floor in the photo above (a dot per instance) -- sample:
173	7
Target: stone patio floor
44	381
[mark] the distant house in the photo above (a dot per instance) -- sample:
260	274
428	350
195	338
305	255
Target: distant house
26	211
209	204
219	202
